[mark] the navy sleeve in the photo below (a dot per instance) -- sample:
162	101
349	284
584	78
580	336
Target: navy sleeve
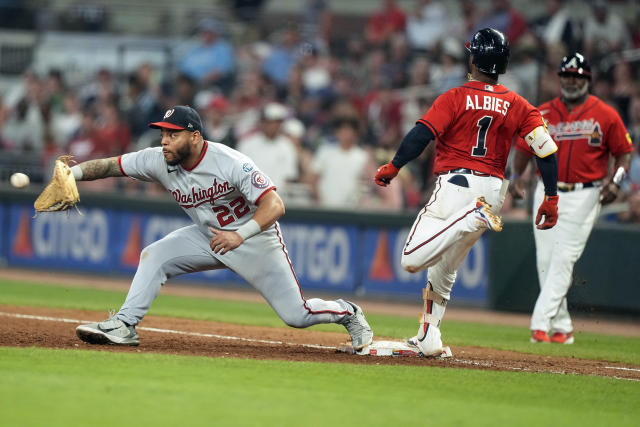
548	167
413	143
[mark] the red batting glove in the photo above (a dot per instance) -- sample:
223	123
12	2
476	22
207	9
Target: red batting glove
548	208
385	174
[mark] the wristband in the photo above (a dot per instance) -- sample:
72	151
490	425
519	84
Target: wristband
77	172
619	176
514	176
250	229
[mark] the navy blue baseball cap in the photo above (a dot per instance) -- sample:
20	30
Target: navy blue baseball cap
180	117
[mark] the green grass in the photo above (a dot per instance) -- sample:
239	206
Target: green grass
96	388
587	346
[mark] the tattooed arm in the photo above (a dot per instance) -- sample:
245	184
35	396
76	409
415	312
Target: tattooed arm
97	169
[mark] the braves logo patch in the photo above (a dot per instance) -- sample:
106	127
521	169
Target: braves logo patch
168	113
247	167
259	180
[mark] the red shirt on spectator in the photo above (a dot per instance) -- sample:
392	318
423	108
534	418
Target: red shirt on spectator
386	21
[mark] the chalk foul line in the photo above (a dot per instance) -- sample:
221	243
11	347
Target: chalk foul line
487	364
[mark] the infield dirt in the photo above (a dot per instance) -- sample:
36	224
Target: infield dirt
25	332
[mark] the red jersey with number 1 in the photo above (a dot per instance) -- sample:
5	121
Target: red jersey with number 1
475	125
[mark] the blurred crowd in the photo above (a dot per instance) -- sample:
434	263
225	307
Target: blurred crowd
320	113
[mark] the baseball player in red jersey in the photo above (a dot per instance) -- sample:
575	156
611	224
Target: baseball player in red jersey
474	125
587	131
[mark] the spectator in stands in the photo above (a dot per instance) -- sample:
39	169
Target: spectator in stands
632	214
623	88
400	57
558	26
113	134
383	113
66	123
316	24
284	55
316	77
217	124
504	17
24	129
273	152
54	90
632	184
450	72
604	31
104	88
340	168
384	22
426	24
140	104
212	61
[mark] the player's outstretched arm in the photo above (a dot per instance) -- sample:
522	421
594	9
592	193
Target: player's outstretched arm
414	143
97	169
270	208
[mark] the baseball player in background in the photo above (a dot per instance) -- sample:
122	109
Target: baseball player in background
235	208
587	131
474	125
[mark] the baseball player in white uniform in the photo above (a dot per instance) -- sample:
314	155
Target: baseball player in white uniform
235	209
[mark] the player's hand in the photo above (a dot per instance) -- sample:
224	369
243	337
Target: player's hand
516	189
609	193
224	241
548	208
385	174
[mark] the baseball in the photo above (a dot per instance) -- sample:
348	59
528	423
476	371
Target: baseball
19	180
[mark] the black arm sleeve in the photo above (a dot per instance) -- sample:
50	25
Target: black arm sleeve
548	167
413	143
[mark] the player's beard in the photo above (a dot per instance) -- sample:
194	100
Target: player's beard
181	153
574	92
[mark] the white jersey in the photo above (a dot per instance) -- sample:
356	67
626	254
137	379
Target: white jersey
221	190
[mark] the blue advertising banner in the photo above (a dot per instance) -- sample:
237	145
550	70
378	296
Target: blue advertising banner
326	257
3	235
61	240
383	274
323	256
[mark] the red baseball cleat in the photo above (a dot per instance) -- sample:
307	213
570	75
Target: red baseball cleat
562	338
539	336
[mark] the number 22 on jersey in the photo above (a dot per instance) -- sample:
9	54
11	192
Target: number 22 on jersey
236	209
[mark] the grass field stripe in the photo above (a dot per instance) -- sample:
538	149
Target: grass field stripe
622	368
169	331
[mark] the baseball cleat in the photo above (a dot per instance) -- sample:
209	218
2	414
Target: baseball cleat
110	331
539	336
431	342
562	338
358	328
486	215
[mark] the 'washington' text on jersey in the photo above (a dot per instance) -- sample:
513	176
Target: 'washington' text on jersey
490	103
201	195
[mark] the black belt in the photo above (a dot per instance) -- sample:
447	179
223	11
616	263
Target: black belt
465	171
577	186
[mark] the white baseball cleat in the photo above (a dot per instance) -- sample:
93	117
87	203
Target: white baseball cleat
431	343
486	215
110	331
